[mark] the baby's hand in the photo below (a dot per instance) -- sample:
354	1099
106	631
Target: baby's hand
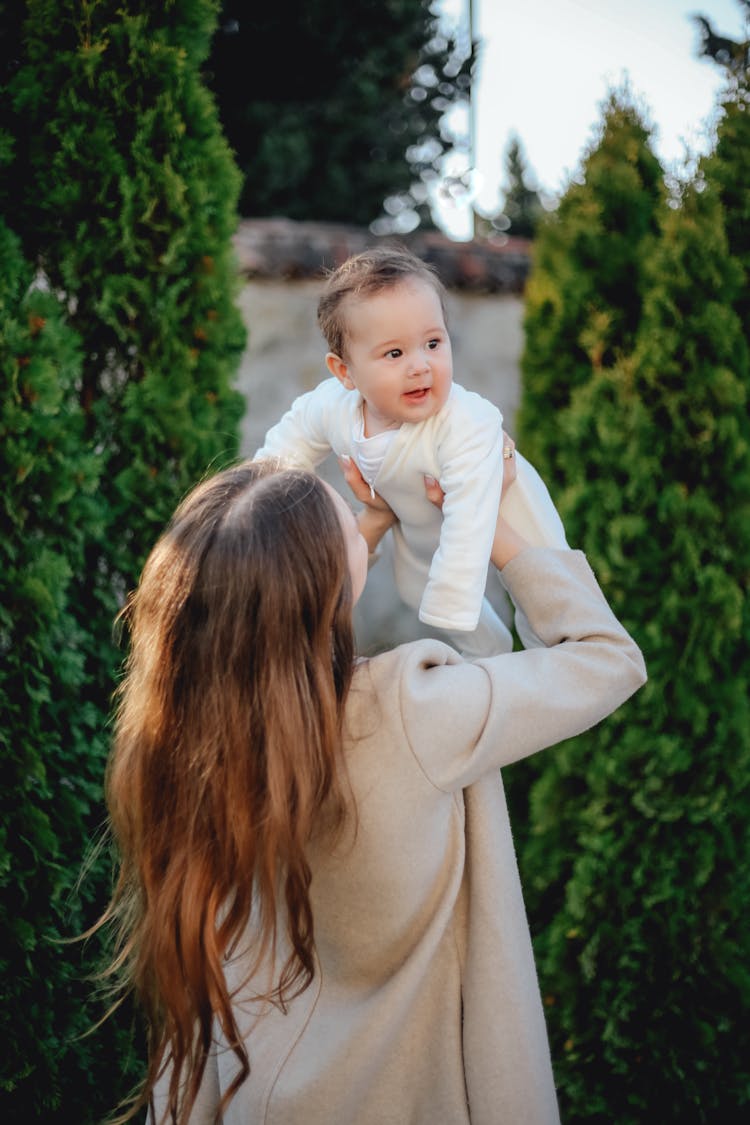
436	495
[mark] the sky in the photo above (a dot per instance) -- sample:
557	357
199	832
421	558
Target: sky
544	70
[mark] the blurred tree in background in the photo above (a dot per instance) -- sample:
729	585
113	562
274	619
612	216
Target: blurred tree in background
333	109
732	54
117	370
584	297
522	207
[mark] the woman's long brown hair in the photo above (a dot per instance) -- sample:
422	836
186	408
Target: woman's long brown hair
226	756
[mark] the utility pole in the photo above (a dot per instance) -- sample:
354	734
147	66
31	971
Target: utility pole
472	127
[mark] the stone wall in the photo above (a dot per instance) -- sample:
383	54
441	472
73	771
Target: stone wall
284	358
280	248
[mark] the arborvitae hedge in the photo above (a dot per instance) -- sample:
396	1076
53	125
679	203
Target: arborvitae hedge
728	172
124	193
582	305
636	862
584	296
51	773
129	198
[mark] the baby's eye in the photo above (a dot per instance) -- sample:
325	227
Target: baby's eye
432	344
394	353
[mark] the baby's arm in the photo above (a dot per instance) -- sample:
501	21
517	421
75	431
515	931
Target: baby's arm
470	454
302	436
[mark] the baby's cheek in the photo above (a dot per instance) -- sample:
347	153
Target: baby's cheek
445	392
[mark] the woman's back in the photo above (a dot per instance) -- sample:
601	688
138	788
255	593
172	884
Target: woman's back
361	1044
319	902
425	1006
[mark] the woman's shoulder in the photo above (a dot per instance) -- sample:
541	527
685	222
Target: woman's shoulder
421	703
387	672
426	650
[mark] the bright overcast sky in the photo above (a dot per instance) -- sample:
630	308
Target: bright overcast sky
545	67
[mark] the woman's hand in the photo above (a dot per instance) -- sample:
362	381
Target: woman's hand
360	487
509	463
376	516
436	495
507	542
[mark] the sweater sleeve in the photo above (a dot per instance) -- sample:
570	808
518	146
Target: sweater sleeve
471	477
463	720
302	436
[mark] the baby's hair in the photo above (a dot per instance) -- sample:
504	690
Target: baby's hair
364	275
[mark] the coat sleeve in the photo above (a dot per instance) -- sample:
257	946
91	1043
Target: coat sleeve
303	435
464	720
471	477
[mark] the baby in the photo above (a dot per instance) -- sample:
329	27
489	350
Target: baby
392	406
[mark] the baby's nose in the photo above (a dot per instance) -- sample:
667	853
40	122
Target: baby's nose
419	361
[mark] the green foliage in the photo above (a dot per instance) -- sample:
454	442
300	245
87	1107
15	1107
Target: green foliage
727	168
50	742
133	215
331	108
731	54
635	861
129	203
584	296
727	171
117	397
522	206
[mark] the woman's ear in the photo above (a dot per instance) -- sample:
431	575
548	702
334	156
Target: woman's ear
340	370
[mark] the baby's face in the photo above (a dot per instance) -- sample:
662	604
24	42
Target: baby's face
398	354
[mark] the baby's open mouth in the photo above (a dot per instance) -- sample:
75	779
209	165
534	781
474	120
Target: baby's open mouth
417	396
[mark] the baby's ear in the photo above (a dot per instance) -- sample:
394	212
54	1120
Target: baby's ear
340	370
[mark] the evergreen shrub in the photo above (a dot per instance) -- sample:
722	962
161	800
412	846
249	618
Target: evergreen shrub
636	857
123	192
51	776
584	296
582	306
727	171
131	211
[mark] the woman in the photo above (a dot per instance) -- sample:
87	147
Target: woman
318	901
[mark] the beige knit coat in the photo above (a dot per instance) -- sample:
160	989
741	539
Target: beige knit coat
425	1008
